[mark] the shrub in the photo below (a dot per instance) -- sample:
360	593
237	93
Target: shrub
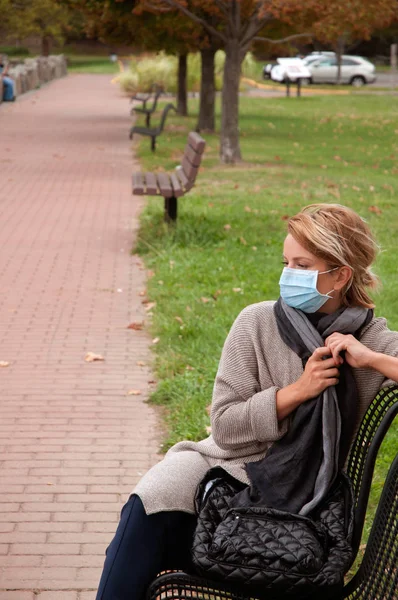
162	69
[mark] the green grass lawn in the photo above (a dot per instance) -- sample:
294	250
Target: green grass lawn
225	251
91	64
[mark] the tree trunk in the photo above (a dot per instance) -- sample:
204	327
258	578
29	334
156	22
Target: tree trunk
182	104
45	45
207	91
229	142
339	53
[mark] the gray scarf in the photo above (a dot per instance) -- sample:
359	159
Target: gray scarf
300	468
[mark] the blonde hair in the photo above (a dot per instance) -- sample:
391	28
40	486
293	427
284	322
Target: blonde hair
340	237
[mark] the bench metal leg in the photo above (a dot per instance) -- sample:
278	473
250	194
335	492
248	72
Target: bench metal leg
170	209
147	119
153	143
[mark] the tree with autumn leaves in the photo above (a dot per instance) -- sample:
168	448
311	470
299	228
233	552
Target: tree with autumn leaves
236	24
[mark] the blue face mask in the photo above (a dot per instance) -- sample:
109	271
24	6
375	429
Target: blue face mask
298	289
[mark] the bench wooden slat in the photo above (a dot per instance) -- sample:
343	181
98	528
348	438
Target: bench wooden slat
151	184
138	184
182	177
197	142
164	185
195	158
177	189
189	170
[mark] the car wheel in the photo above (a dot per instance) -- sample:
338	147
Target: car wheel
358	81
306	80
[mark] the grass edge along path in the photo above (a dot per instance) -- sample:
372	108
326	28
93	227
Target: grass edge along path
225	251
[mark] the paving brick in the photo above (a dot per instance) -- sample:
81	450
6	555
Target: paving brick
57	595
72	444
17	595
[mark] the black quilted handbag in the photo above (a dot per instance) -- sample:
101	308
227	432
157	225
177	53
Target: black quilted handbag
275	553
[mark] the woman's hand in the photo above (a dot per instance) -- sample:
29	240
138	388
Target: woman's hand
320	373
356	354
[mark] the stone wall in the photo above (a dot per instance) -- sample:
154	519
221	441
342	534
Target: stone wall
32	72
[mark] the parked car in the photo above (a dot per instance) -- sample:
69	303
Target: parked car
290	69
267	70
355	70
314	56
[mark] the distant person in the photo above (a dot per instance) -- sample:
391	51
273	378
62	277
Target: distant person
8	83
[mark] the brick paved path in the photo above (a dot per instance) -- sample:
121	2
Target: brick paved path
72	442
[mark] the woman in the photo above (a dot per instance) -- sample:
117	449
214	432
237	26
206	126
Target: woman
261	380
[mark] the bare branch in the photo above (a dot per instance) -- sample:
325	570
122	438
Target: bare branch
254	26
281	40
197	19
156	8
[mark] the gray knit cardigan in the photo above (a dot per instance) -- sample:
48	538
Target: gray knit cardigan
255	363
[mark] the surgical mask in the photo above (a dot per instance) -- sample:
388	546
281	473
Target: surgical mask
298	289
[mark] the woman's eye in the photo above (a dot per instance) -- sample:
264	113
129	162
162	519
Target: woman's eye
302	266
284	262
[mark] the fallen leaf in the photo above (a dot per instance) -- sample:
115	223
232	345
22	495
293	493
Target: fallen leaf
256	188
4	363
227	227
91	357
248	209
337	157
208	409
189	368
150	274
179	320
188	309
254	248
356	188
375	209
237	289
208	430
155	340
152	381
140	363
324	166
150	306
142	293
216	294
285	217
210	204
243	241
134	393
205	300
236	186
137	326
371	188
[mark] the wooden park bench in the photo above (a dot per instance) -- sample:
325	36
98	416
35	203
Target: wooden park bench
148	111
155	131
175	184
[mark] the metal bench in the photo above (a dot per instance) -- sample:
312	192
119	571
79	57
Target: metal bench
377	576
144	97
147	111
176	184
156	131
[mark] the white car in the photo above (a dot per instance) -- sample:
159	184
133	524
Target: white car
290	69
355	70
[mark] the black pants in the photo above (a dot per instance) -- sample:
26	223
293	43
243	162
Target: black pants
143	546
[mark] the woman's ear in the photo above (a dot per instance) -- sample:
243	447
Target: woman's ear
343	276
